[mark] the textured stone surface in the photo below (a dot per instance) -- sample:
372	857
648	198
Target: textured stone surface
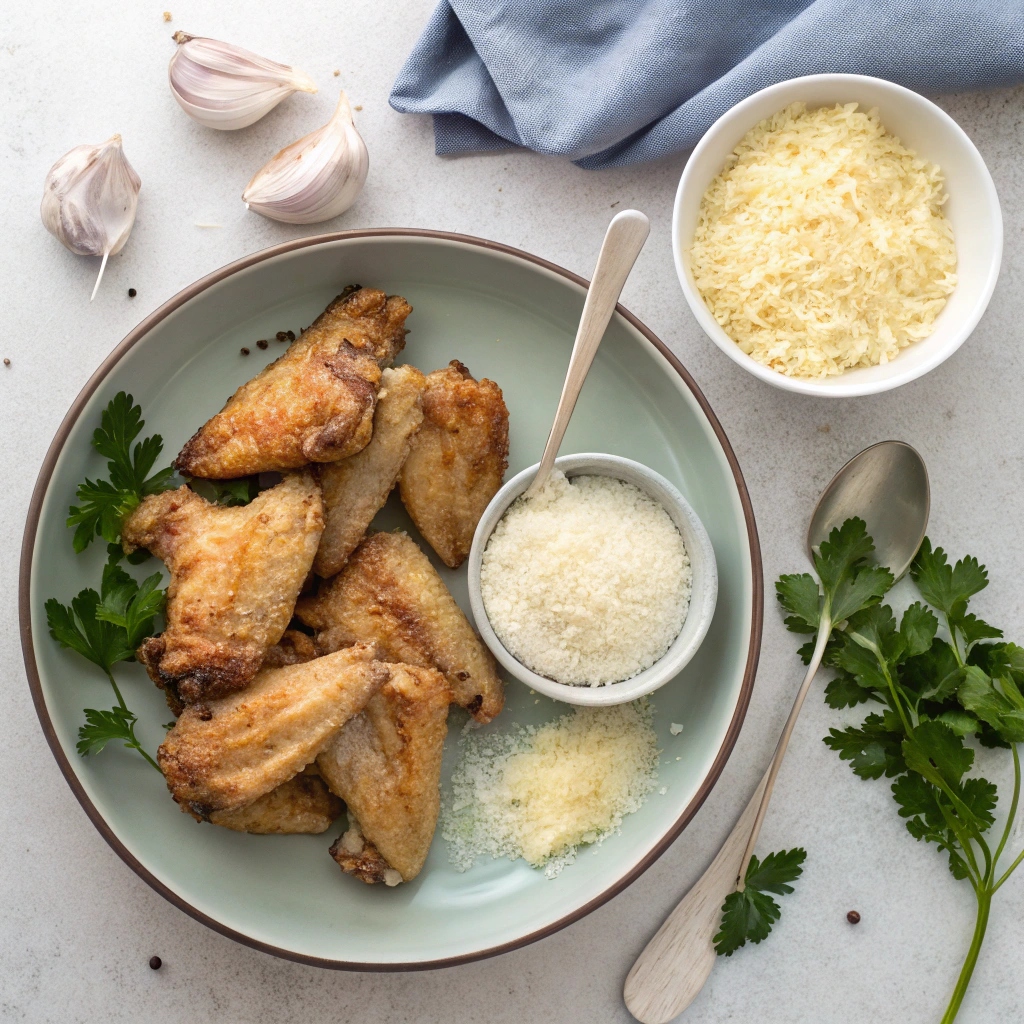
78	927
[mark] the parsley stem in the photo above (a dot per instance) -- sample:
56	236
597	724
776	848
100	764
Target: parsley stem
981	923
131	727
1013	807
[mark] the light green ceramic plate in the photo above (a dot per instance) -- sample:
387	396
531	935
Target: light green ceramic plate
510	317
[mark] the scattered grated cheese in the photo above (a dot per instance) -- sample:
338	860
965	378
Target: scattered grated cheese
540	792
587	582
675	728
822	244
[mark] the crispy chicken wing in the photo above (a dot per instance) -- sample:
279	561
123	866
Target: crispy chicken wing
389	594
225	754
302	804
235	575
315	403
457	461
386	765
356	488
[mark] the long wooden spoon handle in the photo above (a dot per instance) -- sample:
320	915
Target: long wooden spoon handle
622	244
673	967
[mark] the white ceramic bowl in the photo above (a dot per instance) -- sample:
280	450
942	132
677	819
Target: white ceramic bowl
703	595
972	209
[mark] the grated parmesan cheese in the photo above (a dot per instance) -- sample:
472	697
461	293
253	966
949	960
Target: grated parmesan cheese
540	792
587	582
822	244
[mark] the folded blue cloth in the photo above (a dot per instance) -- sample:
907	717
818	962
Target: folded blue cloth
621	81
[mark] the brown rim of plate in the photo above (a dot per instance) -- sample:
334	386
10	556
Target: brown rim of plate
28	545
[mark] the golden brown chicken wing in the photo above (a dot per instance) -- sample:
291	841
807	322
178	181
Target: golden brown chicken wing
386	765
225	754
235	575
356	488
457	461
293	648
389	594
303	804
315	403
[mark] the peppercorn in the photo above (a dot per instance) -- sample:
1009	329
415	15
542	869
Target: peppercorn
281	336
262	343
244	351
853	917
155	963
132	293
7	362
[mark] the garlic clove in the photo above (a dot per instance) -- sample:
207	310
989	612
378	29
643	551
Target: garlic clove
226	87
315	178
90	199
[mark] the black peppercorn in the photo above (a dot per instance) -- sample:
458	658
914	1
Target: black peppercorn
155	963
853	917
281	336
262	343
132	293
245	351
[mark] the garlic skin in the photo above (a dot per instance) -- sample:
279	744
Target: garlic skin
90	199
315	178
225	87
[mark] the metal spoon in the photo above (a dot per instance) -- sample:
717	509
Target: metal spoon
623	241
886	485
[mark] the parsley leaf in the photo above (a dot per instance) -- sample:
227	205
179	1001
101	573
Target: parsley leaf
79	628
874	749
103	504
103	726
130	605
227	492
947	587
750	913
800	596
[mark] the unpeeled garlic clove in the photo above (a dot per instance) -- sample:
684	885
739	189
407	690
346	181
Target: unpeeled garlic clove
313	179
223	86
89	201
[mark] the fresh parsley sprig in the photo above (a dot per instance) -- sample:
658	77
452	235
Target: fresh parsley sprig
103	504
848	589
106	628
750	912
933	692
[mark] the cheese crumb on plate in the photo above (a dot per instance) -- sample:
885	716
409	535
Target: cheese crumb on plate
540	792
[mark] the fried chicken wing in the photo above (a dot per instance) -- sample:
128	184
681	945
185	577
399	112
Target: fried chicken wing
457	461
235	575
356	488
389	594
228	753
303	804
386	765
315	403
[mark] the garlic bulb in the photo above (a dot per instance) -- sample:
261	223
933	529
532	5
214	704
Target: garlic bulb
313	179
89	201
226	87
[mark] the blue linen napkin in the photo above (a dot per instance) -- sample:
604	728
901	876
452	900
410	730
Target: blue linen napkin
622	81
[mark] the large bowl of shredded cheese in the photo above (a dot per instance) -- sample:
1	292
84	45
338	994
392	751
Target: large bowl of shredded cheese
837	235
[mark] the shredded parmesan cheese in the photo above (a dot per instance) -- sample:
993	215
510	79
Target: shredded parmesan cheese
822	244
587	582
540	792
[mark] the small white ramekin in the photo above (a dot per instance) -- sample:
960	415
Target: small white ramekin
972	209
703	595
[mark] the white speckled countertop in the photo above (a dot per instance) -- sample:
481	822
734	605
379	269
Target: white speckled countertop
78	927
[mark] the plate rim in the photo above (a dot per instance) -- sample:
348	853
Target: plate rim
41	486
